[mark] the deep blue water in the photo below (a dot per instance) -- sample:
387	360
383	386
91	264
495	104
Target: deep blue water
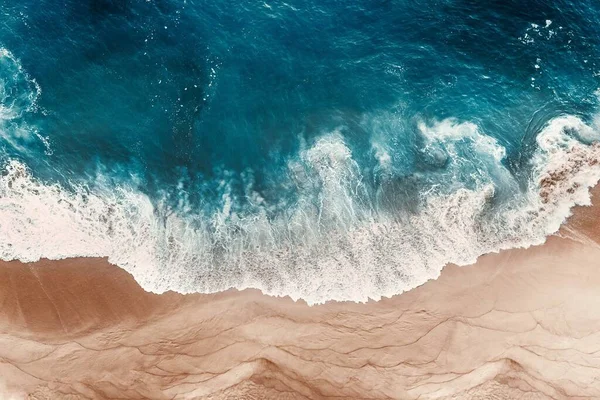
218	113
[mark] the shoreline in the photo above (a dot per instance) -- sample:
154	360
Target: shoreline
373	258
521	323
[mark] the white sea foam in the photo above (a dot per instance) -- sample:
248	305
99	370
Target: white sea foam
19	94
449	131
334	243
18	91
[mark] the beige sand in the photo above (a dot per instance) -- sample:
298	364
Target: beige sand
522	324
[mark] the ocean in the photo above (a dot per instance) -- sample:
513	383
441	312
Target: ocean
323	150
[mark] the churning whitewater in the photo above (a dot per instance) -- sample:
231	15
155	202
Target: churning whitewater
323	151
334	243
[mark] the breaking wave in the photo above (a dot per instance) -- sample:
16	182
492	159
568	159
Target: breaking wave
337	241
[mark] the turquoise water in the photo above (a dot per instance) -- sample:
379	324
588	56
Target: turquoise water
323	150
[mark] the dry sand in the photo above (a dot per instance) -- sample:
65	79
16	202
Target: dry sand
522	324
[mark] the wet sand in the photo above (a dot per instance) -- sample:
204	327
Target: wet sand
521	324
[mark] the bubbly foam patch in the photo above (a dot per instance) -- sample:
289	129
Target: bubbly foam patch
335	242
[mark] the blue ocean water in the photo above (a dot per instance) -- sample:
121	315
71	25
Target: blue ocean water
319	149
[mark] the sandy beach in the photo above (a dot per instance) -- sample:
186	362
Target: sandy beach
520	324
